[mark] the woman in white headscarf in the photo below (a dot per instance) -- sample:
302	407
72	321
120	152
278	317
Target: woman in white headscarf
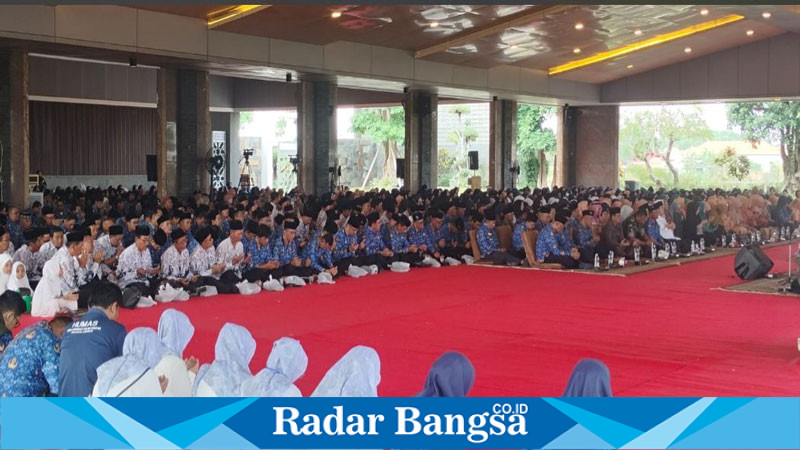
47	300
5	271
18	278
286	363
357	374
231	367
175	331
132	374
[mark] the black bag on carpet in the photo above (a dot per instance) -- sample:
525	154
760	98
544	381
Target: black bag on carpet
752	263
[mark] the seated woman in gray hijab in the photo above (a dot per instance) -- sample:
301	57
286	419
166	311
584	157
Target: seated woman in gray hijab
286	363
589	378
132	374
231	367
357	374
175	331
451	375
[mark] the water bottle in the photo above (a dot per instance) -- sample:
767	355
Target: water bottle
694	248
636	256
758	236
702	246
724	241
653	252
597	262
675	249
610	262
733	240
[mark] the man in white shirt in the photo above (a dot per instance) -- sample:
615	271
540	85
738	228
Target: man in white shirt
205	265
135	266
231	253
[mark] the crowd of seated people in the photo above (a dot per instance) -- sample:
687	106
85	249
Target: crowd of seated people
171	249
94	355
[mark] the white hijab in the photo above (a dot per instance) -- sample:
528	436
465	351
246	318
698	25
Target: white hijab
141	351
175	331
286	363
232	354
4	277
45	297
14	283
357	374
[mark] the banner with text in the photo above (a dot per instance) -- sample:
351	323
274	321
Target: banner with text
445	423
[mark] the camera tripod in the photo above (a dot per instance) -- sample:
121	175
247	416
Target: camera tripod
244	175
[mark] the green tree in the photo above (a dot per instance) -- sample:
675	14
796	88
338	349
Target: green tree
533	140
773	122
737	166
653	134
245	118
385	126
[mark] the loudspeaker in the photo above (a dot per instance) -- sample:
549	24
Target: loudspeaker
752	263
401	167
152	168
473	160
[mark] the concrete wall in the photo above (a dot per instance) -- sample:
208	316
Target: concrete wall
764	69
597	152
102	181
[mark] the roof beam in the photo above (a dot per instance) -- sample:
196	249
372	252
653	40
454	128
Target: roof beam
232	13
493	28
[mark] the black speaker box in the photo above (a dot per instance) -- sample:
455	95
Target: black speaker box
752	263
401	167
473	160
152	168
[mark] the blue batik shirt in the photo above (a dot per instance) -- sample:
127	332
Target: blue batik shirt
321	259
284	252
259	255
343	243
516	237
29	367
488	242
191	242
373	242
654	231
419	238
15	230
550	243
583	236
399	242
437	235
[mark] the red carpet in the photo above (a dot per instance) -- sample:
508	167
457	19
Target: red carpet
662	333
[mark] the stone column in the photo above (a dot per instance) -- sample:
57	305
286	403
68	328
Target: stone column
588	146
14	123
421	146
316	135
502	143
193	131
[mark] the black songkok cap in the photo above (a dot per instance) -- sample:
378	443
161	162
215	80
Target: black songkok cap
373	217
252	227
331	227
403	220
160	238
614	211
561	217
290	224
437	215
202	234
31	234
489	215
142	231
589	212
74	236
115	230
263	231
236	225
176	234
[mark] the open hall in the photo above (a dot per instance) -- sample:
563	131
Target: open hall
390	200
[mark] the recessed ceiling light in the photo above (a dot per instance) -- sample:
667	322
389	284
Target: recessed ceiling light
688	50
576	50
777	99
750	32
578	26
766	14
630	66
703	12
434	24
336	14
638	32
